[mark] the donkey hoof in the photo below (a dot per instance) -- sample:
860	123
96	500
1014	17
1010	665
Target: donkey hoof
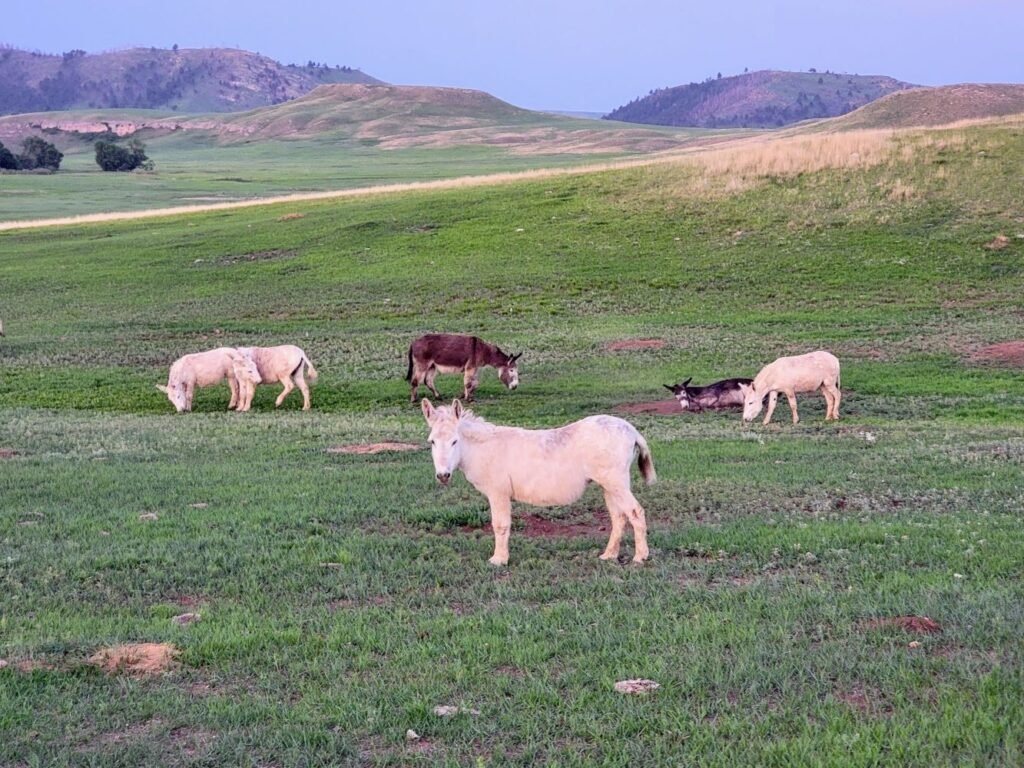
498	560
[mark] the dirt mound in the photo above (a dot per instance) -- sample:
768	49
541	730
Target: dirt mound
659	407
140	659
618	346
1005	353
914	624
363	448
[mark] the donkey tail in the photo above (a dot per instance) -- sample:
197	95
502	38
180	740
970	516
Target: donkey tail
645	461
408	375
310	370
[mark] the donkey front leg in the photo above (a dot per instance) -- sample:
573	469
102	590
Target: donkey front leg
791	396
773	398
501	522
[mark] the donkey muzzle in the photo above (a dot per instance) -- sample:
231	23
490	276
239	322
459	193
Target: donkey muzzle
444	477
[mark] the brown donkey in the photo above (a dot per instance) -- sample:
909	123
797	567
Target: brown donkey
452	353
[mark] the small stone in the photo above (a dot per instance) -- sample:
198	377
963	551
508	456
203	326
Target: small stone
915	644
186	618
149	516
446	710
637	687
411	735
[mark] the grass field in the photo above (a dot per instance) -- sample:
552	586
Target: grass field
343	597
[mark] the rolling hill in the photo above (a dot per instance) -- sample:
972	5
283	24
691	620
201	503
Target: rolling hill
178	80
378	115
764	99
936	106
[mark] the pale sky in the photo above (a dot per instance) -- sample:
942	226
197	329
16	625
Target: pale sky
551	55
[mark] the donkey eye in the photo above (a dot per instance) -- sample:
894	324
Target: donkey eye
454	442
431	441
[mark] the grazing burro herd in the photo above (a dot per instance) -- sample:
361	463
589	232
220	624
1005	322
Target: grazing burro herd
541	467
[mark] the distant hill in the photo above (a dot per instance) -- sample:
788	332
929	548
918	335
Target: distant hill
185	80
765	99
378	115
937	106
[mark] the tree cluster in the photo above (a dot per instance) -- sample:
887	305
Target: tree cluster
114	157
36	153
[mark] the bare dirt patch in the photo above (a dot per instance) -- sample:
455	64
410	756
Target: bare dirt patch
997	243
7	453
915	624
1005	353
658	407
366	448
623	344
138	659
866	699
535	526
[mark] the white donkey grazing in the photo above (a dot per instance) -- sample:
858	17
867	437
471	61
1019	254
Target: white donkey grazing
284	364
789	375
206	369
544	467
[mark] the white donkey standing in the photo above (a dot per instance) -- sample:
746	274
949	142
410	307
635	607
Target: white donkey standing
207	369
543	467
789	375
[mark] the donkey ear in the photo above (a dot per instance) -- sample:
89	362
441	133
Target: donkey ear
745	389
515	357
669	387
687	382
428	409
457	408
161	387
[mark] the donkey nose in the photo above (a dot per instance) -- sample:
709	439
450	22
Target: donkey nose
444	477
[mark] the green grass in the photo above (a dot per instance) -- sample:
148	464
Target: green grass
343	597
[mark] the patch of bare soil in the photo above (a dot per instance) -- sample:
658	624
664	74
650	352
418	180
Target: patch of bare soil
1006	353
7	453
866	699
659	407
618	346
997	243
914	624
138	659
364	448
535	526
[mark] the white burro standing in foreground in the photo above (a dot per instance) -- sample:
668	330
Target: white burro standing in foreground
207	369
789	375
544	467
284	364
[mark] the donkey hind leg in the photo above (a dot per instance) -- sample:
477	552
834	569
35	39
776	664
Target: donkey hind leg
623	506
300	381
501	522
233	386
832	396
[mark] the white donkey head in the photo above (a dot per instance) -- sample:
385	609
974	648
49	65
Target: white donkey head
752	402
444	437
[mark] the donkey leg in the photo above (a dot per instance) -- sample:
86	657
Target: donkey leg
300	380
501	522
428	379
773	399
618	526
470	380
836	396
638	519
791	396
233	386
288	387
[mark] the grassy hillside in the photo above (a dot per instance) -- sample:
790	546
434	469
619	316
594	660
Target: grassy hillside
937	106
337	137
818	595
764	99
180	80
